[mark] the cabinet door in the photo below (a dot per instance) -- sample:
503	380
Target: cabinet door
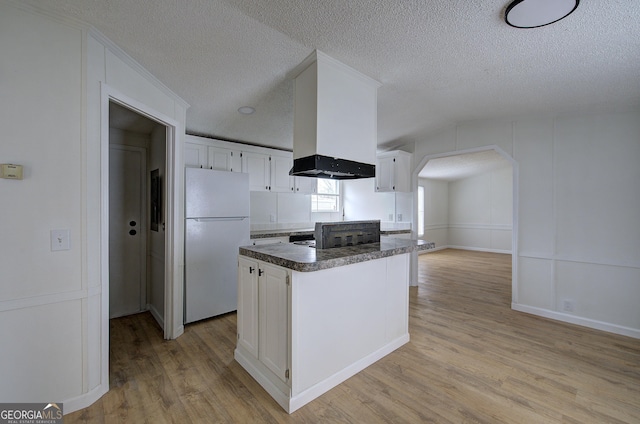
385	174
258	167
219	158
195	155
274	320
248	305
305	185
280	179
402	173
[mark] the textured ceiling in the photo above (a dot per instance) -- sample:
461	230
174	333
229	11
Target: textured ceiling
452	168
440	61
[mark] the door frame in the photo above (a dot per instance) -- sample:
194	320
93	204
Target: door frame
421	162
174	232
143	220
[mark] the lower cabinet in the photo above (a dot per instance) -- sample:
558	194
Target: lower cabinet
263	314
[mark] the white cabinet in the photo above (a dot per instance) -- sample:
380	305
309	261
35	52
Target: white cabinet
303	185
195	155
280	167
267	172
273	317
393	171
248	305
263	314
259	169
223	159
201	155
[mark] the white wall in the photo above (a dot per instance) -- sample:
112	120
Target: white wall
362	202
436	212
480	212
51	303
42	293
578	211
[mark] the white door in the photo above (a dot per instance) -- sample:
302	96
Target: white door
126	231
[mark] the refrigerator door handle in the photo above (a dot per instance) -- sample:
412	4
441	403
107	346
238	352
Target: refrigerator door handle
228	218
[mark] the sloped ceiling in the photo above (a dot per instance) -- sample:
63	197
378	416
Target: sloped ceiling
440	61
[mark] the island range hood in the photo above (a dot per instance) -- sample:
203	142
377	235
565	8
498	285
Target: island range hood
335	120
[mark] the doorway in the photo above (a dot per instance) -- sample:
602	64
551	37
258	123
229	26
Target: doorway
137	146
480	189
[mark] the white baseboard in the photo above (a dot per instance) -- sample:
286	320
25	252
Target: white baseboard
156	315
292	403
324	386
84	400
475	249
572	319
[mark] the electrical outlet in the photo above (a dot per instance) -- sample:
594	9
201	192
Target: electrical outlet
60	240
399	217
272	218
390	217
568	305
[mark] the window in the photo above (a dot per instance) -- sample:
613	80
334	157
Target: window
420	211
327	197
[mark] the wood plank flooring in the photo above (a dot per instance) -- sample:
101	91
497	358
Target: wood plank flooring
471	359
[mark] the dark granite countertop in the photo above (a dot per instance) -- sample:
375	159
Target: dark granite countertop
305	259
257	234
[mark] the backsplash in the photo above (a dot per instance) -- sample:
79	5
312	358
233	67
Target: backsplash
272	211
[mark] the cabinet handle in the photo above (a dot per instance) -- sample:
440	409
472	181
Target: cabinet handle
260	272
250	270
394	187
200	166
211	167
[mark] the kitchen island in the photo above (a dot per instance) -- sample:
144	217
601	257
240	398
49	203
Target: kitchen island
308	319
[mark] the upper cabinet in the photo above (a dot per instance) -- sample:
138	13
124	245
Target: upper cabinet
268	169
393	171
201	152
304	185
259	170
267	172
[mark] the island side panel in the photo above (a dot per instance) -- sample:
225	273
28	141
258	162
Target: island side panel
397	297
345	318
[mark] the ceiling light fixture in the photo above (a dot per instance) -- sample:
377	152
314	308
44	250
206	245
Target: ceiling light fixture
246	110
537	13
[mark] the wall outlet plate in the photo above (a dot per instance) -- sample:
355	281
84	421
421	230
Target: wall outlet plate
568	305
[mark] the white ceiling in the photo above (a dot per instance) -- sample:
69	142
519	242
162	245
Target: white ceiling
452	168
440	61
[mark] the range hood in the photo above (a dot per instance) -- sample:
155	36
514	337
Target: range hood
335	120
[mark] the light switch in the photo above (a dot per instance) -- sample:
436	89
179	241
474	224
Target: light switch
59	240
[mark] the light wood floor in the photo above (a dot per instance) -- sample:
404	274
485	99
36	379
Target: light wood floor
471	359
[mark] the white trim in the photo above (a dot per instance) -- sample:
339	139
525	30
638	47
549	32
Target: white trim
85	399
293	403
40	300
316	390
120	54
588	261
492	227
156	315
572	319
514	227
173	259
480	249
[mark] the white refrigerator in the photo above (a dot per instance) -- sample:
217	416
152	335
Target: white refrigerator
216	225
